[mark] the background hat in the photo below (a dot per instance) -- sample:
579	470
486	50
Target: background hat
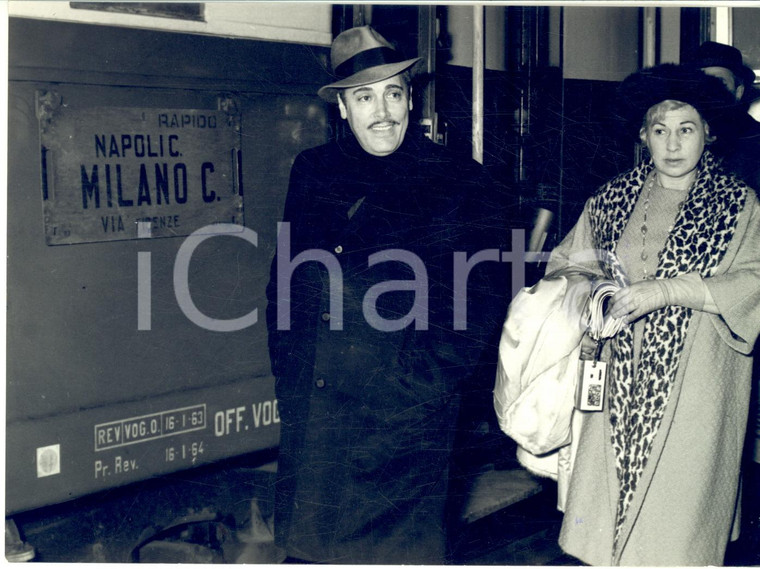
361	56
640	91
713	54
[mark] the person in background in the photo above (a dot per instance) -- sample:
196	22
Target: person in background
363	344
656	475
742	153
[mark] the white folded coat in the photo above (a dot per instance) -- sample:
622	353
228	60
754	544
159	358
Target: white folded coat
539	355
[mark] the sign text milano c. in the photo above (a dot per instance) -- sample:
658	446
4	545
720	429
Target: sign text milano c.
115	174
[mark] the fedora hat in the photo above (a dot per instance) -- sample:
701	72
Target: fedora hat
642	90
360	56
713	54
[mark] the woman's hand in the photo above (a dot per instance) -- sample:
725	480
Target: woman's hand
637	300
588	347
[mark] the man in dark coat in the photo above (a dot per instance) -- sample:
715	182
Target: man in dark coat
742	155
367	330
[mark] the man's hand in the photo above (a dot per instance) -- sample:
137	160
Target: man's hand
637	300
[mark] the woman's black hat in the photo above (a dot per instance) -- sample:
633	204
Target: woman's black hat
641	90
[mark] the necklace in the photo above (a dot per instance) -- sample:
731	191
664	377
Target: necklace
644	227
651	183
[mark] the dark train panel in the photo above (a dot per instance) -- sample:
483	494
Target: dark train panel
113	375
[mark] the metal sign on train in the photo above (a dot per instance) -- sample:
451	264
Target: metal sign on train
112	174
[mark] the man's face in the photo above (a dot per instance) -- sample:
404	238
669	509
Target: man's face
728	78
378	114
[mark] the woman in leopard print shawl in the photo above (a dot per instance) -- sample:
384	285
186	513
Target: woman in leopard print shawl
656	474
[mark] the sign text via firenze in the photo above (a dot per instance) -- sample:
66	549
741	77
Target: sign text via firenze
126	173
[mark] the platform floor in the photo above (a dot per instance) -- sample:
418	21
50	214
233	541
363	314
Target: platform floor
508	518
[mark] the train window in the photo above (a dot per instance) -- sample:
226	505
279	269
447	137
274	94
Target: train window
183	11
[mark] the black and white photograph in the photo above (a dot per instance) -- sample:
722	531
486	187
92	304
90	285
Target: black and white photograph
393	283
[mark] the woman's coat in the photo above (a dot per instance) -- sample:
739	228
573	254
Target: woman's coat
684	506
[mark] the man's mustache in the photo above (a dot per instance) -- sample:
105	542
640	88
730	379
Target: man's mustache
391	121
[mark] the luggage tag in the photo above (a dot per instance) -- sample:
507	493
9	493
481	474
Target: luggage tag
589	395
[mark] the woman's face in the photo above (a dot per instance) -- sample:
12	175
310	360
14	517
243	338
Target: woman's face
676	140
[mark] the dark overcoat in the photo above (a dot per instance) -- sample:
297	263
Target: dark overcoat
741	150
368	400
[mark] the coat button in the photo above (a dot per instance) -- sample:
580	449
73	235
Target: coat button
339	249
320	383
325	316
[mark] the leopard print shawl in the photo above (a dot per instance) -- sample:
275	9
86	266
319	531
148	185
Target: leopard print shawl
699	239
